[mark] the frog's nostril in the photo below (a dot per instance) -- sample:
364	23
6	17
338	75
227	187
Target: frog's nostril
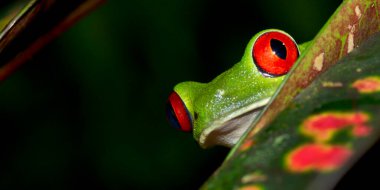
195	115
177	113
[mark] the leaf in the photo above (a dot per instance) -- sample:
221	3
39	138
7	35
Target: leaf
312	140
28	25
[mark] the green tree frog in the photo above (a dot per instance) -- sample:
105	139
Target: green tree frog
219	112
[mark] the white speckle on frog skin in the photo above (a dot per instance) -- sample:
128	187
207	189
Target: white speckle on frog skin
318	62
219	94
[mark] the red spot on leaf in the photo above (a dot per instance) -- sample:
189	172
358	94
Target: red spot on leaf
361	130
251	187
318	157
246	145
367	85
322	127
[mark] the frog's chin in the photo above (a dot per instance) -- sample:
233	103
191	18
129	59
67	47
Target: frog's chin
228	130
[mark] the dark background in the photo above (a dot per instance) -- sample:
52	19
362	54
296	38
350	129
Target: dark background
87	112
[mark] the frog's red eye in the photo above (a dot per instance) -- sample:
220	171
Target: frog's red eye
177	113
274	53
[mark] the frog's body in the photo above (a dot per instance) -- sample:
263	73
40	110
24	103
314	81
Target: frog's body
220	111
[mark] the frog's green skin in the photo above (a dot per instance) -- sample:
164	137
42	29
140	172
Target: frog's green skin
224	108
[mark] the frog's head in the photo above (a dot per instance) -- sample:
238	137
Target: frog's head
220	111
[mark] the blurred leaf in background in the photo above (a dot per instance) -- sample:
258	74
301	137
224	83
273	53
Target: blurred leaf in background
88	110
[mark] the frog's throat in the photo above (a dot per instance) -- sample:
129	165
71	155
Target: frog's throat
226	131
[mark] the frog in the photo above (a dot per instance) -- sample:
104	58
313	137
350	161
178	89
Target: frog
221	111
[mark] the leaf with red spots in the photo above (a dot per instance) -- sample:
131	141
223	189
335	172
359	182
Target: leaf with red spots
312	140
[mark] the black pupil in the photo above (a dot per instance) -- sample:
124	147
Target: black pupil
278	48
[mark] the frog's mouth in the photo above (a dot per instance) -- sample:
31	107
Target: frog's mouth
228	130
